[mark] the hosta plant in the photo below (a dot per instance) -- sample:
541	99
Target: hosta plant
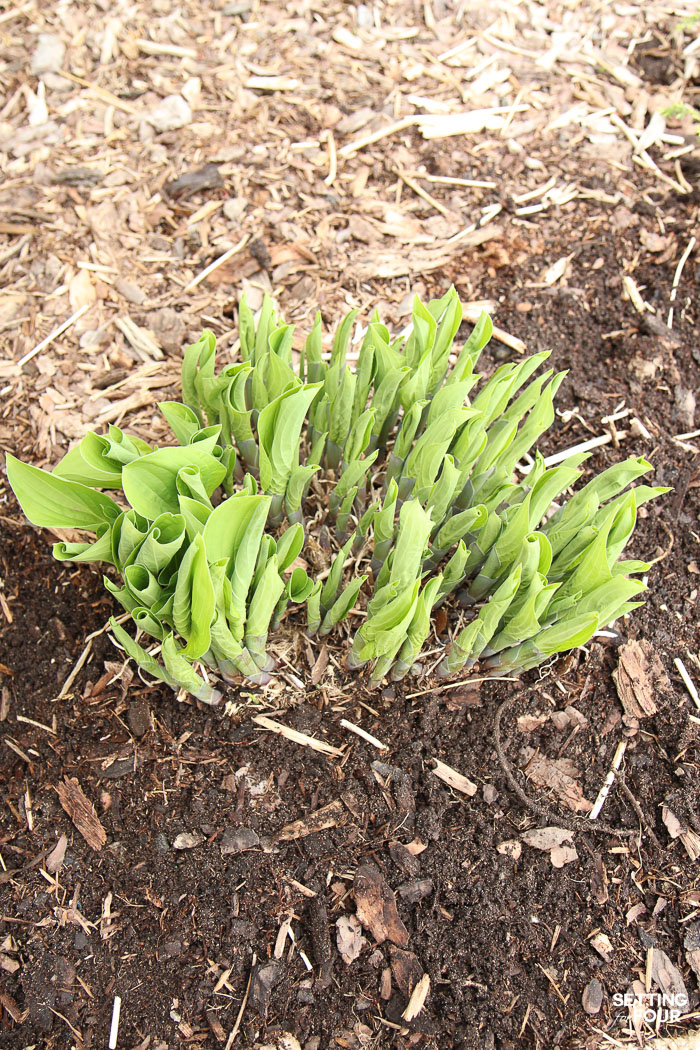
423	473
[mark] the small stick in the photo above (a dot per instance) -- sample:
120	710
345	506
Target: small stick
453	778
687	681
76	669
332	159
456	685
637	429
539	191
114	1030
605	790
472	311
417	1000
85	653
15	248
63	1017
457	49
39	725
102	93
54	335
216	264
365	735
237	1025
375	136
18	751
584	446
633	294
511	341
295	736
302	889
677	278
645	161
7	15
150	47
640	813
682	181
447	180
423	194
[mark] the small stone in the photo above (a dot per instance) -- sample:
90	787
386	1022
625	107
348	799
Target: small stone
243	929
408	864
592	998
92	337
233	209
131	292
170	950
168	327
172	113
416	890
161	843
264	980
55	82
237	840
490	794
406	969
139	717
58	628
428	824
510	848
188	840
48	55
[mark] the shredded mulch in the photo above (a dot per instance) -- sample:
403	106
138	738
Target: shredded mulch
440	884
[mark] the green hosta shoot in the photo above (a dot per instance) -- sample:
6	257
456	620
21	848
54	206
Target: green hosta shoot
413	466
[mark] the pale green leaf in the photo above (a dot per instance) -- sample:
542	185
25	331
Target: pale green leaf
162	542
150	483
139	655
193	603
470	352
279	430
55	503
89	463
183	674
289	546
100	550
181	419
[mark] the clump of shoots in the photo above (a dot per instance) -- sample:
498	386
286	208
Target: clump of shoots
424	495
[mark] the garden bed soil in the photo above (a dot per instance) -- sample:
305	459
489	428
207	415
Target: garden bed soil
187	937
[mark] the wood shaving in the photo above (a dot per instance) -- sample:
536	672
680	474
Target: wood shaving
81	812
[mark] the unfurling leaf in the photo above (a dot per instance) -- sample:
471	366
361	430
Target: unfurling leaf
55	503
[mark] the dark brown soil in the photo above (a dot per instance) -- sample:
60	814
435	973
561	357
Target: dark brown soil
505	944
